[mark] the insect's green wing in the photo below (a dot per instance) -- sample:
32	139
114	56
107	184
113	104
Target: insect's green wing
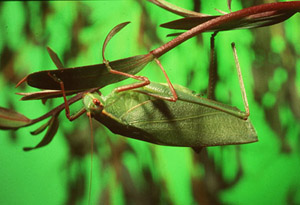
186	124
187	95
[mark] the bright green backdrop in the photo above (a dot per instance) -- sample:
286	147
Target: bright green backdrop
128	171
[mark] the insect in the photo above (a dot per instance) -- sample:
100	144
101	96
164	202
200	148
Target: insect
192	121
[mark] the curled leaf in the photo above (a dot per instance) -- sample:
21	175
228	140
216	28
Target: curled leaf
111	34
10	119
51	131
176	9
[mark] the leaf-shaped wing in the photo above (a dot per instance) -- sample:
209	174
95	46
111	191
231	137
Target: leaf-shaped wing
10	119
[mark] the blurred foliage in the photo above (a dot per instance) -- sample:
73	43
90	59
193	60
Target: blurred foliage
127	171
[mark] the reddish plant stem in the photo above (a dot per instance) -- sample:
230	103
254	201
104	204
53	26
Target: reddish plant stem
280	6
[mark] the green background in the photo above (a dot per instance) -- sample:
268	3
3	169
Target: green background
127	171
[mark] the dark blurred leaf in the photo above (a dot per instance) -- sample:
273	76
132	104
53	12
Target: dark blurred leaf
10	119
51	131
111	34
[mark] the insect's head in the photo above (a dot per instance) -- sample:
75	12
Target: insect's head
93	103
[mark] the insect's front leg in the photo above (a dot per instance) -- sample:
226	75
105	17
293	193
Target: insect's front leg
241	82
67	108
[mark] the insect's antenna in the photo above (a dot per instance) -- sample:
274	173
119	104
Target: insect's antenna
241	82
92	151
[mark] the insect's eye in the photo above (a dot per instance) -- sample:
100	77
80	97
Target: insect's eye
96	102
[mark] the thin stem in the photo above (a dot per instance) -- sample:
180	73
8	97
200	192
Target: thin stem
279	6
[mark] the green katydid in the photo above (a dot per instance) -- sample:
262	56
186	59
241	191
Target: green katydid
192	121
109	108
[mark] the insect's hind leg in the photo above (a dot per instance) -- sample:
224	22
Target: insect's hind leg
241	82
